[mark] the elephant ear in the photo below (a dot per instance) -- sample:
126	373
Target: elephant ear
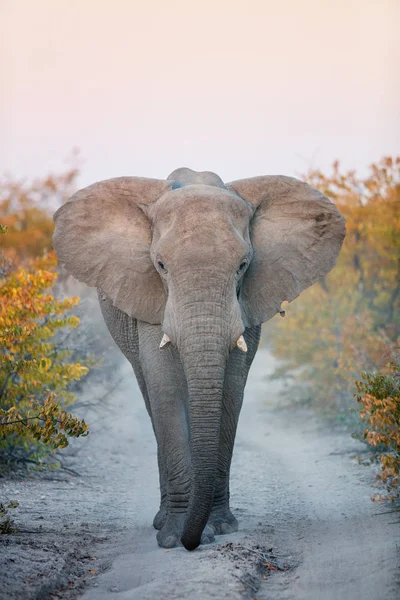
296	234
102	237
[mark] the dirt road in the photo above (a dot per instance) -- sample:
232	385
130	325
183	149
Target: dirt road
308	529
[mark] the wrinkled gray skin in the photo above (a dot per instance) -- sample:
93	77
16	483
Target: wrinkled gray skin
188	258
162	381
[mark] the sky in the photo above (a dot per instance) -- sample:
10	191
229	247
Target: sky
242	88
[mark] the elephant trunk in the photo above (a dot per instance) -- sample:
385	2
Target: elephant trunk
204	349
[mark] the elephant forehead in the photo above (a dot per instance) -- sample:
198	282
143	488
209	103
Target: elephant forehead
209	232
210	246
201	203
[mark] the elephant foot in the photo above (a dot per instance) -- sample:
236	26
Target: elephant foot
170	534
222	521
160	518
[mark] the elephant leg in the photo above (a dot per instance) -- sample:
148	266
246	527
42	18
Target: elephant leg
161	515
124	331
221	519
167	393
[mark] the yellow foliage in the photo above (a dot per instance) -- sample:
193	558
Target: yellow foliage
33	370
379	396
350	321
26	209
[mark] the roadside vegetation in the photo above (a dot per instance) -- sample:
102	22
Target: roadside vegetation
379	396
36	369
338	342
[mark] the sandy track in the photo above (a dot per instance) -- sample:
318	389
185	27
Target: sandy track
302	504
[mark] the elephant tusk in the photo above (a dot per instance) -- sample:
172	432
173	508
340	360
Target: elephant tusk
241	344
165	340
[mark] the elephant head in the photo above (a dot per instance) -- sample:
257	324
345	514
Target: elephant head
205	260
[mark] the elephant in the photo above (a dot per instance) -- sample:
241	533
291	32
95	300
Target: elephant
187	269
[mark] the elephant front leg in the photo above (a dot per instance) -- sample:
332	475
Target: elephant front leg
170	428
172	512
171	432
221	519
167	393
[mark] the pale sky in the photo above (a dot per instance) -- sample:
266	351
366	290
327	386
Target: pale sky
242	88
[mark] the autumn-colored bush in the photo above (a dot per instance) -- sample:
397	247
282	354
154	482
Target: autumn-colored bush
26	210
350	321
379	396
34	372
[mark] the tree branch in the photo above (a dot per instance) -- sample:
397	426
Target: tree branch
24	420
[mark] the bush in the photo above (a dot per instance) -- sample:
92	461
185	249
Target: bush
34	372
350	321
379	396
26	209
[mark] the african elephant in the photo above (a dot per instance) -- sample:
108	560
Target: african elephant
187	269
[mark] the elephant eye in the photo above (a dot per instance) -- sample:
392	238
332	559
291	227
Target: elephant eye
242	266
161	265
